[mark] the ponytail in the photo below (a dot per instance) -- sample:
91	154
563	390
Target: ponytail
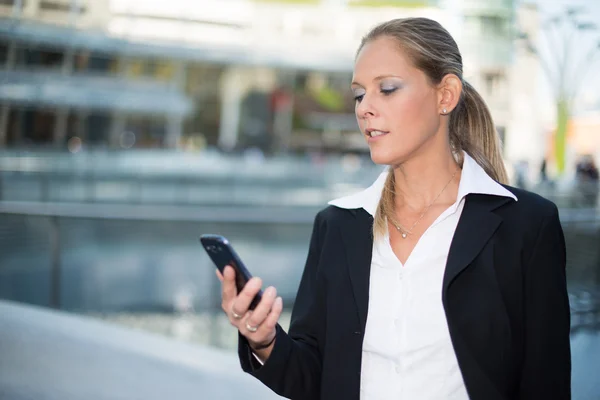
472	130
385	208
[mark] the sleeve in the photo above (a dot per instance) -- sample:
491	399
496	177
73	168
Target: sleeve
293	369
546	368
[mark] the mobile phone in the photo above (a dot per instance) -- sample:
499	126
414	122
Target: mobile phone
222	254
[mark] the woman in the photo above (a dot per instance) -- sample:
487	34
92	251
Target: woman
437	282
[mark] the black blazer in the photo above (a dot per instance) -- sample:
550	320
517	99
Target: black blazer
504	294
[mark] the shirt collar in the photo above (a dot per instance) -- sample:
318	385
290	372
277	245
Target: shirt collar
474	180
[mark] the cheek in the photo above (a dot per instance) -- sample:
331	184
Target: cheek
413	116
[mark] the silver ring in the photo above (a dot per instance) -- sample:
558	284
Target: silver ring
251	328
235	315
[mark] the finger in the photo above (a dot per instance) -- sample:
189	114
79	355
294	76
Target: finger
219	275
265	331
259	314
271	321
228	288
245	297
228	296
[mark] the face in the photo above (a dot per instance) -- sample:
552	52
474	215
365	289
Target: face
397	108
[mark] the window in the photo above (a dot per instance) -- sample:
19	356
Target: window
11	3
49	58
3	53
64	6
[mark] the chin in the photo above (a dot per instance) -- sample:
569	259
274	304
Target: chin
380	159
386	158
394	153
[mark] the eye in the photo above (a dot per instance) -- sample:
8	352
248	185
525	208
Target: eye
388	91
359	94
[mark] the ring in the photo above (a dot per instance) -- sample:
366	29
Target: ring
235	315
251	328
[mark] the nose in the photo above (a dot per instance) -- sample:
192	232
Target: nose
364	109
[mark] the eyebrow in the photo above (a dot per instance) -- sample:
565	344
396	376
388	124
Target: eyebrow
377	78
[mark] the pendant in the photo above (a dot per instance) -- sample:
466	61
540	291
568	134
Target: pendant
403	235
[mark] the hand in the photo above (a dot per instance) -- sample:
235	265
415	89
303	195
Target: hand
258	325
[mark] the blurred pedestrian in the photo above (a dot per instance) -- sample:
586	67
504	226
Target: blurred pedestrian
544	171
438	281
521	172
586	175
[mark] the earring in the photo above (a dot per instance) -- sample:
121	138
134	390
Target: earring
444	111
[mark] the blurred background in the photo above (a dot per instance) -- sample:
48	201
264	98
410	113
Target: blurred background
128	128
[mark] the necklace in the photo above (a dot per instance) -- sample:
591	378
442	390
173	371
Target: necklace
405	232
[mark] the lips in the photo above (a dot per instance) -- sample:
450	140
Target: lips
374	133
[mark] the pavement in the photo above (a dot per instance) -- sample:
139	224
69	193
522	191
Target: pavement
50	355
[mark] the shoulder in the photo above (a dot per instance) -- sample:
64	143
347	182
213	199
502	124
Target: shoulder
333	215
339	219
532	203
530	212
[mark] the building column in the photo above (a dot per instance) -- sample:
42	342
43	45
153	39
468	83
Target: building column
174	126
283	118
173	131
60	127
81	125
62	115
17	9
117	127
31	8
232	92
118	118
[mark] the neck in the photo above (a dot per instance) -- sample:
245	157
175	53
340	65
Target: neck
419	181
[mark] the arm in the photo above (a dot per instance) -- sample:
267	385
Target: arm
293	367
546	368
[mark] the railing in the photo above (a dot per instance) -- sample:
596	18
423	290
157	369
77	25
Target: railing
179	178
111	260
206	178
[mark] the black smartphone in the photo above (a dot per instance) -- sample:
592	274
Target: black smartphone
222	254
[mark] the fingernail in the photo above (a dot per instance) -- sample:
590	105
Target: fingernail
256	282
270	291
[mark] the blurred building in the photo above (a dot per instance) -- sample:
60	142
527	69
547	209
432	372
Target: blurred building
65	77
233	74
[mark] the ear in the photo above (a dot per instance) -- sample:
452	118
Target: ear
449	90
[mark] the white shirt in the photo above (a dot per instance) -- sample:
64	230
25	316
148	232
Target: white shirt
407	352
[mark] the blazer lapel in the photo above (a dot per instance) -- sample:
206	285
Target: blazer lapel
358	243
476	226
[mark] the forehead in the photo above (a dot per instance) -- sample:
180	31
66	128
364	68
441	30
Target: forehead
382	56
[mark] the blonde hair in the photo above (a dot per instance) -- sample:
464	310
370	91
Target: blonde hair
471	128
